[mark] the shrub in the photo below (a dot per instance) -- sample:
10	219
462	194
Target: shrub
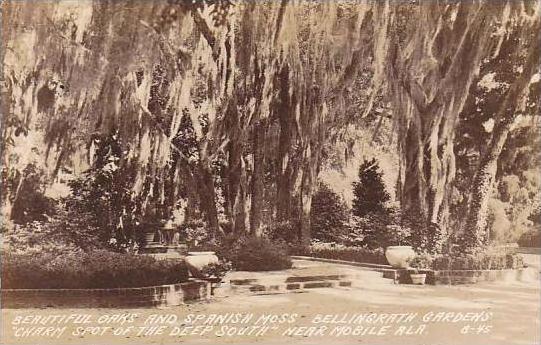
299	248
328	215
216	270
194	232
530	239
420	262
63	233
369	192
284	231
426	237
479	261
31	204
357	231
378	230
98	269
342	252
102	196
257	254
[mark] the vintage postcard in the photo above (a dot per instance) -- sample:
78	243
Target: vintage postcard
270	171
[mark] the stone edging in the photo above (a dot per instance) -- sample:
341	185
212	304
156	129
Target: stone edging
473	276
442	277
345	262
528	250
388	271
151	296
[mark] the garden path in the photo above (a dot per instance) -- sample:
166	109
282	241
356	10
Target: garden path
512	309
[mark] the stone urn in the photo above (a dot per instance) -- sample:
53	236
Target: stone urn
197	260
418	278
149	236
149	230
398	256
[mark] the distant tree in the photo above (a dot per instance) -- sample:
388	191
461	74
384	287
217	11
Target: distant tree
369	192
328	216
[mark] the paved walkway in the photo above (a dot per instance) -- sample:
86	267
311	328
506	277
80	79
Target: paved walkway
309	268
506	313
532	257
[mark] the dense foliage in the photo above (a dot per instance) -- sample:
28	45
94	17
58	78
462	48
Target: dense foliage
482	261
98	269
31	204
329	215
284	231
216	270
341	252
257	254
421	262
193	233
370	196
101	195
379	230
530	239
63	233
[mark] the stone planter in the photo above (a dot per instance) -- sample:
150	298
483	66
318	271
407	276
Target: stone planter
149	236
418	278
197	260
398	256
214	284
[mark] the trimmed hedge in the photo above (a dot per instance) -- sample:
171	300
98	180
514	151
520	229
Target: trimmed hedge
340	252
257	254
482	261
92	270
530	239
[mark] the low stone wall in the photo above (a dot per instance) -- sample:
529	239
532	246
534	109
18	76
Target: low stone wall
529	250
153	296
252	286
342	262
443	277
474	276
456	277
387	270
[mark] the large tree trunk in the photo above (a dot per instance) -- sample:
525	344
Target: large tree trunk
284	160
258	176
236	171
309	180
476	234
430	82
192	196
207	199
476	223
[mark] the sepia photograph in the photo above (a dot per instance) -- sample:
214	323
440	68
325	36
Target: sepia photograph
270	171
